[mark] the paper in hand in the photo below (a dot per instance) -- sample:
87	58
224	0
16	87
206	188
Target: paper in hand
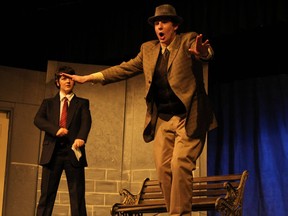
77	152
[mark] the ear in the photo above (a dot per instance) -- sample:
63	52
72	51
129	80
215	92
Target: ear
57	83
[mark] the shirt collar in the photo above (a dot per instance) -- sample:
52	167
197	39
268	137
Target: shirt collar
68	96
168	47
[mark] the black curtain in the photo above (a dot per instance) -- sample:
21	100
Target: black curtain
253	135
109	32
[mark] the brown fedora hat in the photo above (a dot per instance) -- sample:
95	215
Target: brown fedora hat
165	11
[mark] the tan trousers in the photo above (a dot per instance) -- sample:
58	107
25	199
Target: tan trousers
175	158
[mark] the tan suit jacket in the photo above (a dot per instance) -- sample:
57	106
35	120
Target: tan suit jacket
185	75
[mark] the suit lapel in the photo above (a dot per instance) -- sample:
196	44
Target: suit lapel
153	57
56	109
173	51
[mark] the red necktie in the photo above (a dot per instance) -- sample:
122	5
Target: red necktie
63	119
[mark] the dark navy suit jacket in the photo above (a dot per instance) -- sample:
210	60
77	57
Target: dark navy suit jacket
78	123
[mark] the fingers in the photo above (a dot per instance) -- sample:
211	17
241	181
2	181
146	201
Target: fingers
78	143
206	43
62	132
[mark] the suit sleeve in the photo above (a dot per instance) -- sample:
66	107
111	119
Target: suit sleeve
86	121
43	120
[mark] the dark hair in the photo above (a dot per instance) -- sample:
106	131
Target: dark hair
63	69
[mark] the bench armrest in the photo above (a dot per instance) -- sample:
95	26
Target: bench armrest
128	197
232	203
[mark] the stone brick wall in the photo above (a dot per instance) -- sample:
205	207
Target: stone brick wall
102	189
116	153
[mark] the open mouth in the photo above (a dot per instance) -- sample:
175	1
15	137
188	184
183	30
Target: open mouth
161	36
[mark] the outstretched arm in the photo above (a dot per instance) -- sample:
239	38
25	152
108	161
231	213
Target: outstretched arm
94	77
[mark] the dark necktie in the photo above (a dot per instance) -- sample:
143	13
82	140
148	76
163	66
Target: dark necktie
63	119
164	63
166	54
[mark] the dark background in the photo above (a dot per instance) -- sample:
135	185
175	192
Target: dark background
248	36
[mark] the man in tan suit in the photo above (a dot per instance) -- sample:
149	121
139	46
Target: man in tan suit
178	112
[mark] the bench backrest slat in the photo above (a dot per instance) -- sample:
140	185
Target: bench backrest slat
217	178
212	186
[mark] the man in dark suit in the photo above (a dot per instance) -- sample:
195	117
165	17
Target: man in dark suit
178	110
64	145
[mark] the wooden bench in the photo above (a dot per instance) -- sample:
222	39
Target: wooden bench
223	193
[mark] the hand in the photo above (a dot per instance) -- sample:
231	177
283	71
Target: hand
77	78
62	132
78	143
199	48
